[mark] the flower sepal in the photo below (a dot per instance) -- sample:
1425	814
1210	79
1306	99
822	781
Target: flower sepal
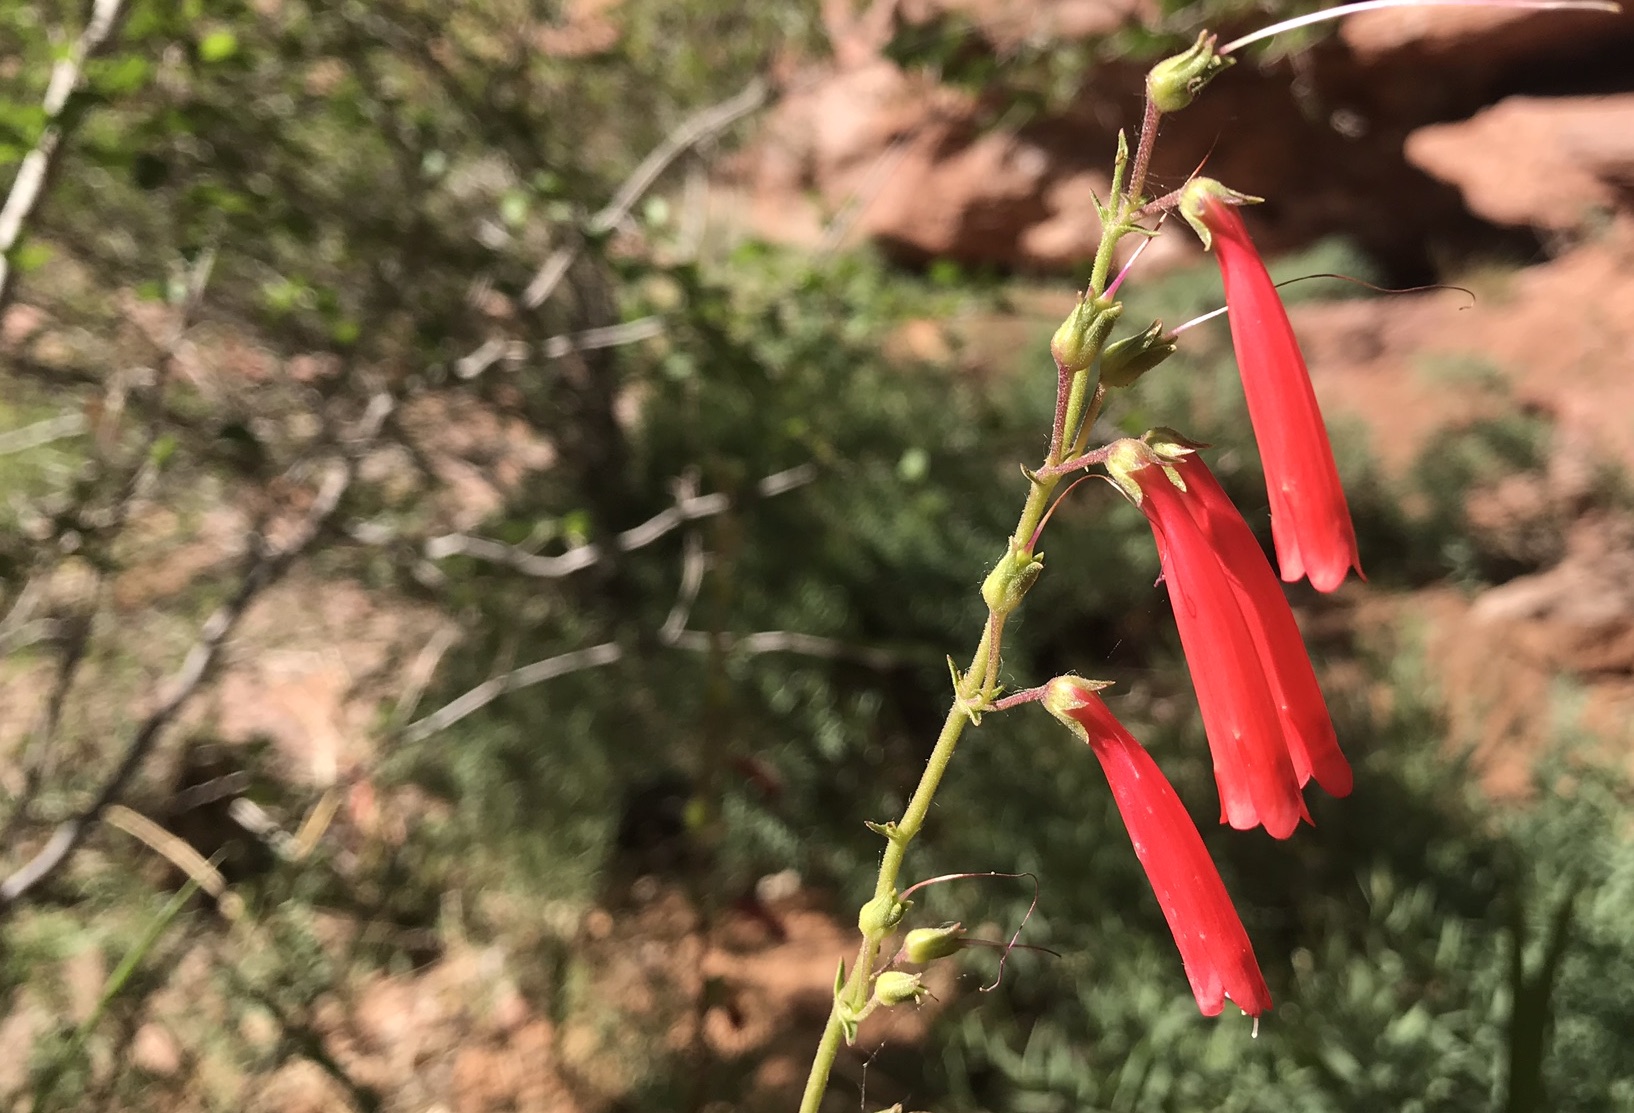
1199	195
1171	446
1068	694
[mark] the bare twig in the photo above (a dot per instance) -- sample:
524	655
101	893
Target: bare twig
515	351
42	433
697	129
700	127
422	670
673	633
105	523
485	693
786	641
268	566
41	162
686	509
17	619
855	205
694	562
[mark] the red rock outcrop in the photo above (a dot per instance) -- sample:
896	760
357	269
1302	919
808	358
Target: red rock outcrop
1549	163
861	148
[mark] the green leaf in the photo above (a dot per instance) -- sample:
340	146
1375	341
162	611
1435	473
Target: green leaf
30	257
119	76
218	46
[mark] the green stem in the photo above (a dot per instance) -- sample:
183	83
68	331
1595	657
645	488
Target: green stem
975	686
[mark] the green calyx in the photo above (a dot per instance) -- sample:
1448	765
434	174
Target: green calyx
1158	448
928	944
1077	342
1124	361
1007	584
898	987
1065	694
1201	194
1174	83
1123	459
881	914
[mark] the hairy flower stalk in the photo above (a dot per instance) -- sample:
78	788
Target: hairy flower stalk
1310	520
1214	947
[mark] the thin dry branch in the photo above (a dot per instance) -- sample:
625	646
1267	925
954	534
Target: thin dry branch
695	130
694	562
607	653
785	641
40	163
42	433
105	523
266	568
515	351
686	509
673	633
528	675
698	128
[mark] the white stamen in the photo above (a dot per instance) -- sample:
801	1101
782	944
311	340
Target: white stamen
1178	329
1372	5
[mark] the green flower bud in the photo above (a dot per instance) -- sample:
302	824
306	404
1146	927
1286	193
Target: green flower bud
897	987
1175	82
1078	340
929	944
1007	584
881	914
1128	359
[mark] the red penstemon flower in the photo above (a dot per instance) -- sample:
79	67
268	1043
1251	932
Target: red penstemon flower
1307	727
1214	947
1310	521
1268	726
1253	765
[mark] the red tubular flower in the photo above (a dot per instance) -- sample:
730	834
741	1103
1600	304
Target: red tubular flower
1310	520
1307	726
1214	948
1253	765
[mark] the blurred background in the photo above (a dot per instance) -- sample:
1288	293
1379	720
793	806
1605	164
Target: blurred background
487	491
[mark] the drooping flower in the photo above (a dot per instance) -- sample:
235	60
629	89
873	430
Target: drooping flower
1253	764
1310	520
1214	947
1307	727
